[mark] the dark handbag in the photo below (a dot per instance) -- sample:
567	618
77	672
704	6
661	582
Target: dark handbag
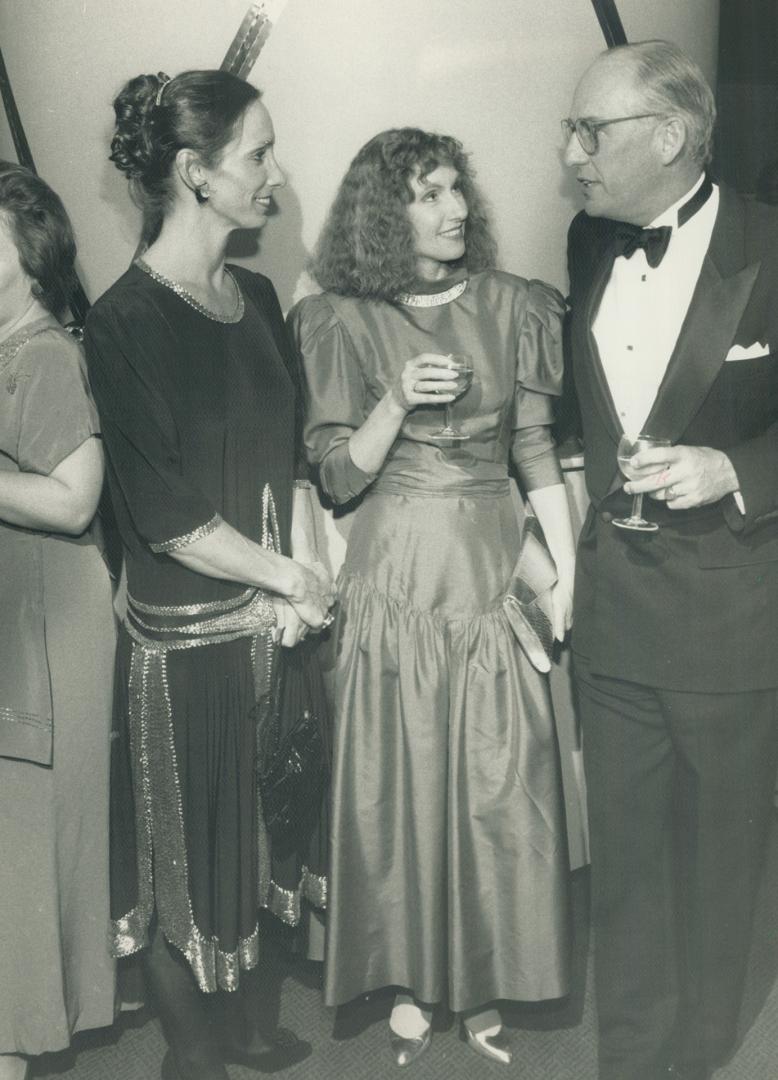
527	603
294	761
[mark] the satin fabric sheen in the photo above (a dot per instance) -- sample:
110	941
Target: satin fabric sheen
448	851
448	858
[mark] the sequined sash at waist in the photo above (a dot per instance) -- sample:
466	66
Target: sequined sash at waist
184	626
163	875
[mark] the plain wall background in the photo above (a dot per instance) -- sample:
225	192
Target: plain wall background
498	74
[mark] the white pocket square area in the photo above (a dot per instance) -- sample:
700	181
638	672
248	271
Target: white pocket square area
747	352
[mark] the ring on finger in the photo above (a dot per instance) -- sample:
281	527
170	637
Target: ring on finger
671	492
328	620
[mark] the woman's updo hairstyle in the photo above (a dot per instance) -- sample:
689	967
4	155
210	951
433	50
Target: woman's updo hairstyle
41	231
157	116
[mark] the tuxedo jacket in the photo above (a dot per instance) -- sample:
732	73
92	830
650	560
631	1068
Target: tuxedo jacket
693	606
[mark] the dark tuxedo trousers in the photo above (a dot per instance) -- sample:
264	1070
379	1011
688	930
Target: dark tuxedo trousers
676	644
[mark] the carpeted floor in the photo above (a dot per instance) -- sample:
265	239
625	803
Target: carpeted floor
551	1042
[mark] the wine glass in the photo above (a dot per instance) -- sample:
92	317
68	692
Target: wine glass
628	447
463	366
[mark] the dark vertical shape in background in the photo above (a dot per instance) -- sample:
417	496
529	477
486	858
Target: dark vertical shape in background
747	97
610	22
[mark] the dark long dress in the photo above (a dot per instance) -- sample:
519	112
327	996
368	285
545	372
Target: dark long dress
199	423
448	854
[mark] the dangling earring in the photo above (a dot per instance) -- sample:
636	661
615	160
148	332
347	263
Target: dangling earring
202	194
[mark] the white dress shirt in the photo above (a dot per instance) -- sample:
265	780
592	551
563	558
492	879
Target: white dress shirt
642	311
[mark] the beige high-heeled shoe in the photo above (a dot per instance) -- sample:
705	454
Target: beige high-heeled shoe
491	1041
495	1047
407	1048
406	1051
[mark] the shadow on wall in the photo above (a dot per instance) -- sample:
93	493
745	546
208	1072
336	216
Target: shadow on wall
114	191
277	250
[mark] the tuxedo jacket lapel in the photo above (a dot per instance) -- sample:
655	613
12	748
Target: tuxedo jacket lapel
717	305
587	346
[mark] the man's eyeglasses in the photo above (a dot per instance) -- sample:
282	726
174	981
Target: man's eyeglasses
587	131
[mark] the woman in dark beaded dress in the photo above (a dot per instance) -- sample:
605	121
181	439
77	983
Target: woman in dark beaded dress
198	397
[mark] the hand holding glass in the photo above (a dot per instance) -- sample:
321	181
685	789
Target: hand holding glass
628	447
463	366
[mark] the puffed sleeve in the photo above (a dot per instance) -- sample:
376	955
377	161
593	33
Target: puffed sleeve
539	379
336	396
168	511
56	410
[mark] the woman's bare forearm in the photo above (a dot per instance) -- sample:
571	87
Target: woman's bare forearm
551	508
229	555
305	547
65	501
371	442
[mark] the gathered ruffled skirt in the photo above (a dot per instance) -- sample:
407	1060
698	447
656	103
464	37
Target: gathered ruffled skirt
448	854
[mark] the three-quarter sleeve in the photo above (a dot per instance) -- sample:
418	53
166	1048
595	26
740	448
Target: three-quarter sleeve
140	436
539	379
56	411
336	396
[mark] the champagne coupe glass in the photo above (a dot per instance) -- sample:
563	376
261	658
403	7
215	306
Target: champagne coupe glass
463	365
628	447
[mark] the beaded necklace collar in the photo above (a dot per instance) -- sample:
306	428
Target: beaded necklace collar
433	299
188	298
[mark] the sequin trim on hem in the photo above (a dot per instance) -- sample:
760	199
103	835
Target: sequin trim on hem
11	716
159	825
179	542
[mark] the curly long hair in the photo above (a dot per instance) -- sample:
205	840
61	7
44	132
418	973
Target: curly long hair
367	245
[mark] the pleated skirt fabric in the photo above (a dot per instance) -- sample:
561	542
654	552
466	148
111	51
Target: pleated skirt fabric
448	855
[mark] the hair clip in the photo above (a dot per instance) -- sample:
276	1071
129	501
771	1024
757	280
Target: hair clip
163	81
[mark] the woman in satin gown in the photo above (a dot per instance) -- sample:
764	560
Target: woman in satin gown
448	860
197	392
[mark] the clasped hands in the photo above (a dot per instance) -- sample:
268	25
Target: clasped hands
307	607
683	476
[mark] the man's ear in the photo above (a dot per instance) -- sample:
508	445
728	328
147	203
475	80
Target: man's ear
672	136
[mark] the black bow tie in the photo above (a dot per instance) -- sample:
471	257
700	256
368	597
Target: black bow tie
653	241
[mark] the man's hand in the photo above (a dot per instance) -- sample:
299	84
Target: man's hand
683	476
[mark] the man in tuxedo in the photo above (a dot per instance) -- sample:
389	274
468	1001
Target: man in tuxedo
674	333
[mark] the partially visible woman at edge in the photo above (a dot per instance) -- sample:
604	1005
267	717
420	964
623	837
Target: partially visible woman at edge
448	861
57	639
198	400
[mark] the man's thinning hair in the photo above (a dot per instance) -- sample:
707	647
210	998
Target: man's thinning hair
673	83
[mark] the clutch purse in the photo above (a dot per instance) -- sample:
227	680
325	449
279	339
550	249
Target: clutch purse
294	761
527	603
